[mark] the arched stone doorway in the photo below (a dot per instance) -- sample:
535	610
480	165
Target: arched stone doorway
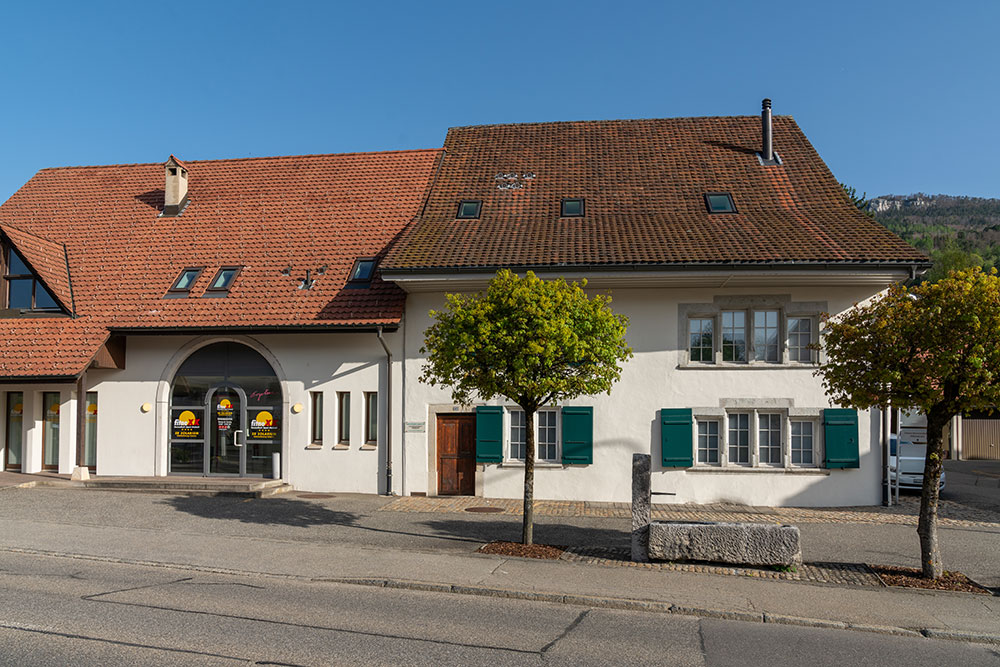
225	411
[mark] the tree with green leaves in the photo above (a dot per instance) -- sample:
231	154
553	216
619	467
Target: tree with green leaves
531	341
935	347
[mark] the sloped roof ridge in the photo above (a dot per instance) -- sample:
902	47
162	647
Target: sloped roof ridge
597	121
243	159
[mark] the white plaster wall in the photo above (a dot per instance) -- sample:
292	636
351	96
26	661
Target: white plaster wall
31	444
131	442
626	422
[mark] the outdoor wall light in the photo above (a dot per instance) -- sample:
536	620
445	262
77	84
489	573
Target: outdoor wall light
146	407
297	408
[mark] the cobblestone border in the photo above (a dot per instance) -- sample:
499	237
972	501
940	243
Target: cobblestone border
951	514
850	574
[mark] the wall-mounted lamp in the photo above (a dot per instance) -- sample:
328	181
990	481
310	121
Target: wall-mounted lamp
145	407
297	408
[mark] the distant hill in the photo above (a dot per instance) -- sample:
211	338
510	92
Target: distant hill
957	232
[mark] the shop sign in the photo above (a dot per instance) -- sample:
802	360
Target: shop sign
186	425
263	426
224	414
92	413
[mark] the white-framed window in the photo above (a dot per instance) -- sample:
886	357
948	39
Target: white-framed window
547	435
739	438
748	437
800	333
769	438
734	335
702	339
754	336
766	336
518	435
708	442
803	442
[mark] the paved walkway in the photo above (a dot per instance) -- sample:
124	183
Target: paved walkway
951	514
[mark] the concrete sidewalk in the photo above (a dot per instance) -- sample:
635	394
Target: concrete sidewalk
163	536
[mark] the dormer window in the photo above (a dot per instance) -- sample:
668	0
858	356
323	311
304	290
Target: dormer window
720	202
222	281
571	207
23	290
185	281
362	272
468	209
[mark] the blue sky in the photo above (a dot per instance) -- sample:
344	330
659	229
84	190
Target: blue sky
897	97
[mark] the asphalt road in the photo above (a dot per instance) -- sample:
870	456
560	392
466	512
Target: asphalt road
59	611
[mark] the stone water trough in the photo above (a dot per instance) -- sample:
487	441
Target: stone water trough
732	543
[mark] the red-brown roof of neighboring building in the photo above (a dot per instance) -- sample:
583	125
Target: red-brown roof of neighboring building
644	183
261	214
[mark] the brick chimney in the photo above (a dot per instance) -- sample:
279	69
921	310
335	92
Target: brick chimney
175	190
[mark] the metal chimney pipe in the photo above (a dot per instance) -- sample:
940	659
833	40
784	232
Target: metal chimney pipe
767	152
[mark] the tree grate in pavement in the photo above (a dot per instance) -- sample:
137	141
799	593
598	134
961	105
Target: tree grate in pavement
854	574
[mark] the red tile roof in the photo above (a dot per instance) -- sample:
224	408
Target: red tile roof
644	183
263	214
48	347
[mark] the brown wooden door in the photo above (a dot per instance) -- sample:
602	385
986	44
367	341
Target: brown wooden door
456	447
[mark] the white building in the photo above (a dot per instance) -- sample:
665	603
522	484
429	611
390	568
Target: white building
278	305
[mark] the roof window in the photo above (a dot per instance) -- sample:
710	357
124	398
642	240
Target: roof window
362	272
185	281
222	281
720	202
571	208
24	291
468	209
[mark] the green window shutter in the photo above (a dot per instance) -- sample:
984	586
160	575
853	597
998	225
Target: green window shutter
489	434
577	434
840	438
676	444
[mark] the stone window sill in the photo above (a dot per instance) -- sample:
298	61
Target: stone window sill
342	446
763	470
761	366
368	447
315	445
538	464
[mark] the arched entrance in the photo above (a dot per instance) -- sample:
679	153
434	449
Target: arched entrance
225	407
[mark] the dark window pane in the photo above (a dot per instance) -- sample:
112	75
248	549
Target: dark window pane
720	203
44	299
17	266
363	270
187	279
572	207
223	279
469	208
19	295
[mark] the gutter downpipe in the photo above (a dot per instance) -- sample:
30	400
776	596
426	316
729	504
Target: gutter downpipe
887	440
388	412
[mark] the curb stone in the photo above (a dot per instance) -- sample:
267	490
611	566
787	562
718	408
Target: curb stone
625	604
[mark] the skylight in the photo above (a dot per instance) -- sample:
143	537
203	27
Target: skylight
222	281
185	281
362	272
720	202
469	208
571	208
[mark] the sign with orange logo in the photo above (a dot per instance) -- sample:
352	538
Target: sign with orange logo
263	426
186	424
17	410
224	414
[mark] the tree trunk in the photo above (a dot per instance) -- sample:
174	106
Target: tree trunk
527	527
930	557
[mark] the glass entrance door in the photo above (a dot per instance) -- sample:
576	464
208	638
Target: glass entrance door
227	431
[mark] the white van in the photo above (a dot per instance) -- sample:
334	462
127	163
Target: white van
911	459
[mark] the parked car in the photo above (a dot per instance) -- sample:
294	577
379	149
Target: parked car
911	459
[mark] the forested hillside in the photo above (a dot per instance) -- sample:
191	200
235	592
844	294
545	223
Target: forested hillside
957	232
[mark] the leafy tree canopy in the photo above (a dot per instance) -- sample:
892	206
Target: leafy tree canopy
531	340
935	345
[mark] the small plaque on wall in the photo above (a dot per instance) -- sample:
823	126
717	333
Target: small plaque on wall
415	427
